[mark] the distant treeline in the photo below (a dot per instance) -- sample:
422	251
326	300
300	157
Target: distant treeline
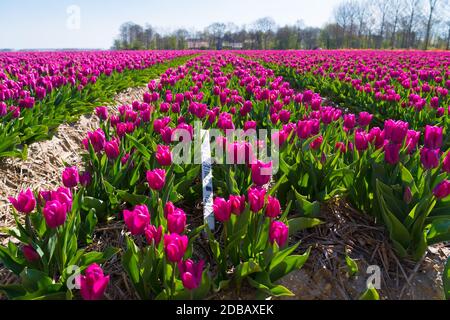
359	24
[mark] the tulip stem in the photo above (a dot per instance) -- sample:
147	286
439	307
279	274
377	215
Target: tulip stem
173	289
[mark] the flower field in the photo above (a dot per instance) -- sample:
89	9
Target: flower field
289	135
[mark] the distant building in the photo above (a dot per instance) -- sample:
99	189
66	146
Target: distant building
197	44
233	45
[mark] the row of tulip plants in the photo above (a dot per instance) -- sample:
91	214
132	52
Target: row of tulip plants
39	91
135	170
411	86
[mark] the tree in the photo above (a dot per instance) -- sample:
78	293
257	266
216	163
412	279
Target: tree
217	30
265	26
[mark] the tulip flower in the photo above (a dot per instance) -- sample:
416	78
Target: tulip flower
169	208
407	195
261	173
175	246
93	283
55	213
392	153
237	204
442	190
361	140
222	209
156	179
176	221
446	163
70	177
349	121
256	198
315	145
278	232
137	219
30	253
191	273
429	158
364	119
97	139
153	234
273	208
395	131
85	179
433	137
112	149
25	202
163	155
102	112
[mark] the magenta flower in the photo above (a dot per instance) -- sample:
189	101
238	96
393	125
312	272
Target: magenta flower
55	213
395	131
279	233
429	158
137	219
256	198
237	204
392	153
25	202
30	253
70	177
442	190
433	137
191	273
156	179
361	140
86	179
175	246
261	173
153	234
93	283
222	209
97	139
349	121
176	221
446	163
163	155
112	149
364	119
273	208
102	112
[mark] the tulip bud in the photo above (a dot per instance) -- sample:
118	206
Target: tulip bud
273	208
407	195
256	198
191	273
176	222
25	202
70	177
137	219
222	209
55	213
175	246
163	155
279	233
442	190
156	179
30	253
93	284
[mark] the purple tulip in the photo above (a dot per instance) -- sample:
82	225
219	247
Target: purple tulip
137	219
429	158
163	155
176	221
256	198
25	202
261	173
112	149
273	208
433	137
175	246
55	213
30	253
442	190
191	273
279	233
93	283
222	209
70	177
156	179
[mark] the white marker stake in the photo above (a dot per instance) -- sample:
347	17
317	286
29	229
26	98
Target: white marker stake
207	180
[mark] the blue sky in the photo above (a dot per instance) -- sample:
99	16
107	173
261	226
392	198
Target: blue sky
44	23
